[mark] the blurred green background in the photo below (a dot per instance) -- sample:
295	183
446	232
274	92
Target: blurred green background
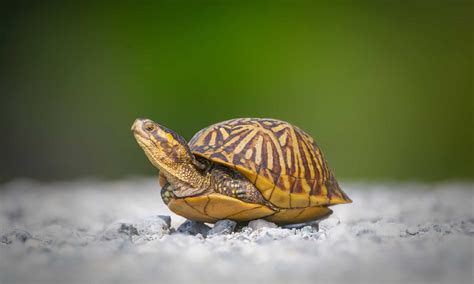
385	87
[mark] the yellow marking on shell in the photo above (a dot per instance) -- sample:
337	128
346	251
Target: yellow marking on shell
307	186
245	141
288	156
237	130
286	182
299	170
212	141
224	133
279	127
280	157
248	154
322	170
283	138
202	136
308	159
258	149
250	166
233	121
301	185
267	122
269	156
314	154
249	171
232	141
324	191
328	171
307	137
267	174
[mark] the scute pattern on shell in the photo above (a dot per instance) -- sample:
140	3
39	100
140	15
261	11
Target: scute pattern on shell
273	154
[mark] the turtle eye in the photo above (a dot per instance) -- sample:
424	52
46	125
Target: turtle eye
149	127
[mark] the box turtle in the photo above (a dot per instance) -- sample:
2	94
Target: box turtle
241	169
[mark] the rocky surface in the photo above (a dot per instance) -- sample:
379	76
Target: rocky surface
119	232
259	224
222	227
193	228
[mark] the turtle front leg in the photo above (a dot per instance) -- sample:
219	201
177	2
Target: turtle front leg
242	190
246	191
167	193
234	184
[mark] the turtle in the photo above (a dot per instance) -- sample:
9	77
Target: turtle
241	169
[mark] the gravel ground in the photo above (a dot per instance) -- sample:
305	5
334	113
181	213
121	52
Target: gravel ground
90	231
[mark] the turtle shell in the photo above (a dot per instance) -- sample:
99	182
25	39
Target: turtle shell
281	160
213	207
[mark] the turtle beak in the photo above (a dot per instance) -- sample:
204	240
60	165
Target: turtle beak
137	124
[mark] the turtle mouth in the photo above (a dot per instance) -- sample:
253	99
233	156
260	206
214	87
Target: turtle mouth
141	136
137	128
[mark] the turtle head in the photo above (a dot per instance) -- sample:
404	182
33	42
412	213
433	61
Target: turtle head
164	148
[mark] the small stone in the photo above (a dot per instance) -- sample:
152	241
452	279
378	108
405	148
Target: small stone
245	230
243	238
15	235
222	227
278	233
153	228
146	229
127	229
412	230
190	227
165	218
442	228
329	223
259	223
119	231
320	236
34	243
307	229
263	238
470	232
308	232
365	232
294	226
313	224
388	229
